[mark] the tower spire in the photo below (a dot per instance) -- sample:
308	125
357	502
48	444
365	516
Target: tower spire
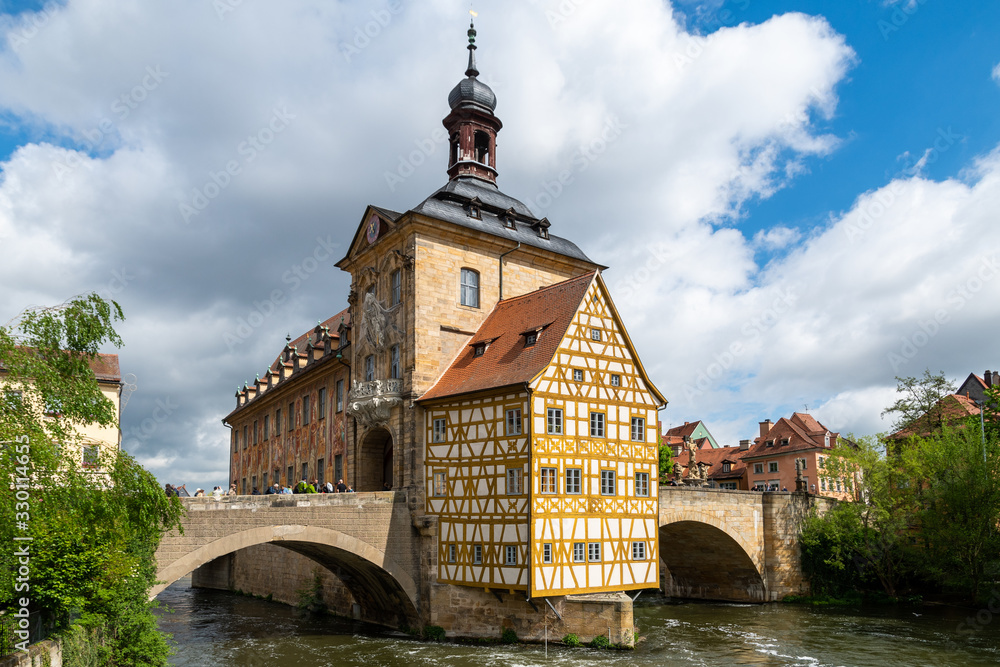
472	71
472	125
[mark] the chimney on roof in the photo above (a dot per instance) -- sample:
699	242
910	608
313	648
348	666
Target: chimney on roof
744	445
990	378
765	427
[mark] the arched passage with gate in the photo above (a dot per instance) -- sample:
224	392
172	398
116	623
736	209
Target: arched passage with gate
375	461
706	563
385	592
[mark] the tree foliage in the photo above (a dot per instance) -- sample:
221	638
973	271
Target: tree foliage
94	531
921	398
928	515
666	464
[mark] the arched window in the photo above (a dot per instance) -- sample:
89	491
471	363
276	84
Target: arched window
469	294
454	150
482	141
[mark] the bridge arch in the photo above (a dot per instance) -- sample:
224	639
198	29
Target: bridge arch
708	559
375	581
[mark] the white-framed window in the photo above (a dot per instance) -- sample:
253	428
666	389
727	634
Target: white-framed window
638	551
469	295
394	362
397	287
440	430
555	421
340	395
638	429
510	555
595	334
594	552
515	481
642	484
514	421
477	554
596	424
727	467
607	482
579	552
91	456
577	375
758	468
616	380
452	553
821	461
772	466
573	477
822	484
547	553
549	480
440	484
370	368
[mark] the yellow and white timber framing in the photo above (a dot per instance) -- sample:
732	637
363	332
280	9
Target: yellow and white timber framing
614	528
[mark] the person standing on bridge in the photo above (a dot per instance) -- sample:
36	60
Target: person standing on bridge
304	487
341	487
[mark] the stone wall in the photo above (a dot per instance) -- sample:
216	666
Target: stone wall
784	514
47	653
473	612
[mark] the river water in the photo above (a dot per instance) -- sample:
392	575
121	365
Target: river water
219	629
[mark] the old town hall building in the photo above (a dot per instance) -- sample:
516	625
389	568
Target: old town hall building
481	366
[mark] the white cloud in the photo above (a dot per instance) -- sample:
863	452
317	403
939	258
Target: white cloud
707	124
996	73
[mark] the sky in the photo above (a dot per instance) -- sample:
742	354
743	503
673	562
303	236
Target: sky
797	200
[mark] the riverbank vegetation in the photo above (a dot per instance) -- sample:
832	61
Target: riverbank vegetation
78	535
927	517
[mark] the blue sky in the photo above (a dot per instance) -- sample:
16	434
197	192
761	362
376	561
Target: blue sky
758	190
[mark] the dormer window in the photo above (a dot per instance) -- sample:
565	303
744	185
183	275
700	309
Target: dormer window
509	219
530	338
769	443
542	226
726	467
479	349
475	209
784	441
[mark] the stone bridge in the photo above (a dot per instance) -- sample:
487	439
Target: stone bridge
732	545
364	538
714	545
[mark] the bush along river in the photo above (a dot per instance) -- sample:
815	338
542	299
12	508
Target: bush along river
220	629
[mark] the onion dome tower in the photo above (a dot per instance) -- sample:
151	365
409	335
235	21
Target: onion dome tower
472	126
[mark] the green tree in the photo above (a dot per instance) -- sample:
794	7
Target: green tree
875	531
960	507
666	464
93	536
920	400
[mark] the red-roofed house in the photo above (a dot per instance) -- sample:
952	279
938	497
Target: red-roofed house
724	467
771	458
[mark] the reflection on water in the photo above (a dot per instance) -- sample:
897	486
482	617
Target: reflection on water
217	629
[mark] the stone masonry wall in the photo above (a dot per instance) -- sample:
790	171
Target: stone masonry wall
465	611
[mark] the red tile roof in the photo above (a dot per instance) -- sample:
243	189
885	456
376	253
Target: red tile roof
801	431
507	360
681	431
333	323
715	457
105	367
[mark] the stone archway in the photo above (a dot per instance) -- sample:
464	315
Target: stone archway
375	461
704	562
380	586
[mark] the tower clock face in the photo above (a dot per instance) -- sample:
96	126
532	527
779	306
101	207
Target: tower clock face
374	224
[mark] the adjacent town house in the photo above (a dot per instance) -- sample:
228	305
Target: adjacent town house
95	440
722	467
952	409
696	432
771	459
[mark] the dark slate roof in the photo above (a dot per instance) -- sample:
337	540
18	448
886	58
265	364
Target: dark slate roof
450	202
472	91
